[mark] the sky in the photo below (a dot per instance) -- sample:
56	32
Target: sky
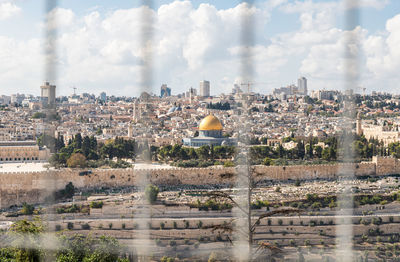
117	46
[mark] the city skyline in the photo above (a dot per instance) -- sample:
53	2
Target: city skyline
202	42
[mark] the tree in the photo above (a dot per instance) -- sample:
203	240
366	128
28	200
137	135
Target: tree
60	143
301	152
310	149
203	152
318	151
325	154
255	250
69	190
151	193
281	151
76	160
87	249
86	146
26	241
78	141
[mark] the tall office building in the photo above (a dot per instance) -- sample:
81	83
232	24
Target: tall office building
48	94
165	91
103	96
205	88
302	86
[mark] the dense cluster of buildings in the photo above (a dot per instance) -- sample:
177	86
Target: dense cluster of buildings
170	119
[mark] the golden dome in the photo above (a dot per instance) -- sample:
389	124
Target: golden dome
210	122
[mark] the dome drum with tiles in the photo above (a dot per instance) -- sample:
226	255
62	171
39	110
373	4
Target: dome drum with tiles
210	133
210	126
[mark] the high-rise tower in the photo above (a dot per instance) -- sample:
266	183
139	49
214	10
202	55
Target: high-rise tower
205	88
302	86
48	94
165	91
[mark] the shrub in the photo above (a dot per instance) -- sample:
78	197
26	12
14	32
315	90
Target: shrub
297	183
269	222
85	226
316	205
258	204
200	224
377	220
280	222
58	228
391	219
70	225
229	164
96	204
123	226
167	259
292	242
151	193
212	257
196	245
162	225
110	225
175	225
27	209
291	222
365	222
158	243
172	243
187	224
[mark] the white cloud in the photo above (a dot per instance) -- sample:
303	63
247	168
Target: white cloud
377	4
104	51
8	9
383	52
60	18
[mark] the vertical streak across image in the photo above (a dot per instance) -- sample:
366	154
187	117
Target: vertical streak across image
50	123
242	232
142	242
345	210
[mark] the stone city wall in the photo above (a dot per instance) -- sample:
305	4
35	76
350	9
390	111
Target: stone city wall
34	187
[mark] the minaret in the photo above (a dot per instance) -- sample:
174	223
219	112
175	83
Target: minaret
359	130
130	130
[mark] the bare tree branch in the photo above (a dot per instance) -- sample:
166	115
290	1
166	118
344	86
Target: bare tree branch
220	194
271	213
